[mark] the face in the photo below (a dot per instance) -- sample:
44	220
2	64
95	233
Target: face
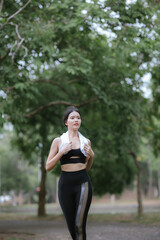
73	121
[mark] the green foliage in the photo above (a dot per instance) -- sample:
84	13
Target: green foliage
15	172
66	58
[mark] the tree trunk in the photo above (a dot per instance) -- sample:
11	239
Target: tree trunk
139	195
20	198
158	174
150	190
42	190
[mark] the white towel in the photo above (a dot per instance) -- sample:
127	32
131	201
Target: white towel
65	139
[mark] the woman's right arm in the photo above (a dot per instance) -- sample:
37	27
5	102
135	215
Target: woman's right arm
54	154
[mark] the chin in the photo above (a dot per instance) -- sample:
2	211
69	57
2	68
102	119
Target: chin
76	127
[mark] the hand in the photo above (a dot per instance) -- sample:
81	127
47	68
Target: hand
67	147
88	149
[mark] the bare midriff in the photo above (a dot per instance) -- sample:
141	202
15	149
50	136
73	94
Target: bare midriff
71	167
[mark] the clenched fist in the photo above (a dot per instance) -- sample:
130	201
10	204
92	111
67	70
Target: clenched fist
67	147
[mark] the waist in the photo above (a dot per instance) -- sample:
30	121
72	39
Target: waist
73	178
72	167
79	172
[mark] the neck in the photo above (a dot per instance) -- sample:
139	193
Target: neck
72	133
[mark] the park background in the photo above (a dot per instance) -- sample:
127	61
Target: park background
100	56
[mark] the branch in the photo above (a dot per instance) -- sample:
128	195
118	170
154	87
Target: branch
9	88
26	51
31	114
13	15
85	103
1	5
71	81
4	56
156	1
45	81
55	83
133	154
18	43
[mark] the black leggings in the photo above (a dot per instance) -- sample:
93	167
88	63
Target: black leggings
75	195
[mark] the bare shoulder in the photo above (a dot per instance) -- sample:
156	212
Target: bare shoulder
56	142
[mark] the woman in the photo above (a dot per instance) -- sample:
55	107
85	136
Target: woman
75	154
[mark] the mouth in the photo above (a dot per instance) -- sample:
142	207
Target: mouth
76	124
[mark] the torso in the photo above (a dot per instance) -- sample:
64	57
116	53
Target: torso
71	167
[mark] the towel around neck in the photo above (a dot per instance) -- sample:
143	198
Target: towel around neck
65	139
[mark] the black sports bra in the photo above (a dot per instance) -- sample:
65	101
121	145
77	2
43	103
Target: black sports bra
73	156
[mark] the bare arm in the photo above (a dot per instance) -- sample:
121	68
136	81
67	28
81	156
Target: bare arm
54	154
90	157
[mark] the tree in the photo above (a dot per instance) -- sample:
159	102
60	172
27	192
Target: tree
153	134
16	174
67	59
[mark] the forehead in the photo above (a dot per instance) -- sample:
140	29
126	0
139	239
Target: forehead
74	114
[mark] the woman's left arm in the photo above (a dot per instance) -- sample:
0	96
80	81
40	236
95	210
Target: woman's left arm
89	151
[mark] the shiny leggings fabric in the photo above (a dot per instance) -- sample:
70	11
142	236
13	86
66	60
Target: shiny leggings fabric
75	195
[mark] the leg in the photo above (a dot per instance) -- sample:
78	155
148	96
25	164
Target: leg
84	197
68	205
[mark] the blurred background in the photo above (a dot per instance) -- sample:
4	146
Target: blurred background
101	56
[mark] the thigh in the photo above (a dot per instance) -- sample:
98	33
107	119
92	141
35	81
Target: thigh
83	201
67	201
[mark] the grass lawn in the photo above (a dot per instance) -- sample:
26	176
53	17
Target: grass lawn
147	218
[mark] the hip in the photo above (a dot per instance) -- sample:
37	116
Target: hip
74	177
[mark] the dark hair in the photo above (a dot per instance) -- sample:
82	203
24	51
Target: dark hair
68	111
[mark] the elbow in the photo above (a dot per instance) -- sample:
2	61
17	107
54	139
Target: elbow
88	168
47	167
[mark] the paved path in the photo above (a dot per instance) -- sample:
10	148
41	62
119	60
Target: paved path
56	230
